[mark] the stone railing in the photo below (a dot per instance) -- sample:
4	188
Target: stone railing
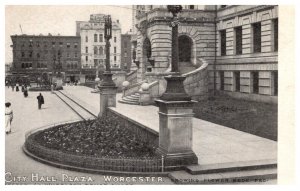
196	82
131	77
131	89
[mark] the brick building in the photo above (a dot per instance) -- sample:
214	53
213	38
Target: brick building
126	59
34	55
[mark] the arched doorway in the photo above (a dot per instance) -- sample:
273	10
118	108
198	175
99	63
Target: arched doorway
185	48
185	54
147	54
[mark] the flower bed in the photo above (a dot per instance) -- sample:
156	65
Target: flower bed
101	144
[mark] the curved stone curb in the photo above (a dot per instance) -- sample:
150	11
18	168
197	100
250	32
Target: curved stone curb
89	170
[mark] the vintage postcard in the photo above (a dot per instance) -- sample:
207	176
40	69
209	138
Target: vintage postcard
149	94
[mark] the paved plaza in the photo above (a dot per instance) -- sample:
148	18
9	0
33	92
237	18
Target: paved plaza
212	143
27	117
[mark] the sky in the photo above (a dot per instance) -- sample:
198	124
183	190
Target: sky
61	19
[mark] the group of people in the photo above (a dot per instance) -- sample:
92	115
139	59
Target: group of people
9	112
24	88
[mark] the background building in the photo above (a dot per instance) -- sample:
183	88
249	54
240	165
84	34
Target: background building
93	42
34	55
126	59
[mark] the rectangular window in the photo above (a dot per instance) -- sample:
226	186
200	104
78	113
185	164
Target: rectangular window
86	49
61	44
255	82
86	58
125	54
238	40
115	49
221	73
223	42
53	44
275	34
30	54
275	83
37	43
68	55
256	27
75	45
237	81
115	39
95	37
68	45
115	58
86	38
23	54
75	55
101	37
192	7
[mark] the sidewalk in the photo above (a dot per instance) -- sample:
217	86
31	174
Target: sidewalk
27	117
212	143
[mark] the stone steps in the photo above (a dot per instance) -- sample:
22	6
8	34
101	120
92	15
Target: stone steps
255	176
131	99
256	172
232	166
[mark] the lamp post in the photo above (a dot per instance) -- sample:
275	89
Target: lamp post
108	89
175	111
175	89
107	76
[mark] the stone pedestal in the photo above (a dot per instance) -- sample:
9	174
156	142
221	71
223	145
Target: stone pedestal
145	98
176	133
107	98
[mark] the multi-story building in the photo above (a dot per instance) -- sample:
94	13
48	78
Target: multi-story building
126	52
34	55
239	43
93	42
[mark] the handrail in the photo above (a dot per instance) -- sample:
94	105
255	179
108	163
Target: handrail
203	65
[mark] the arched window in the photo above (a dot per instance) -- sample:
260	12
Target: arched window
95	37
184	48
147	47
95	50
101	50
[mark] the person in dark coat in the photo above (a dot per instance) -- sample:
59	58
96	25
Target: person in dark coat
17	87
25	92
22	88
40	99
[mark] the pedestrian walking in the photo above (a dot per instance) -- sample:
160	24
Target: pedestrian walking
41	101
17	87
22	87
25	91
8	117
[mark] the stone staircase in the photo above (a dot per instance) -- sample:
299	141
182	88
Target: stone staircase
132	99
250	172
196	84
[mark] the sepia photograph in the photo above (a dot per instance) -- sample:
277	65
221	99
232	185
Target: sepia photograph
137	94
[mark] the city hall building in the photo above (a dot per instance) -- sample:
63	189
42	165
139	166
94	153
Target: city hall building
230	50
34	55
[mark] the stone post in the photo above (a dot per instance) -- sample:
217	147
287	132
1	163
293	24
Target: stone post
175	112
108	89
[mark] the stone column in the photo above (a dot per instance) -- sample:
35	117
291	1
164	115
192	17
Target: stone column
176	112
107	98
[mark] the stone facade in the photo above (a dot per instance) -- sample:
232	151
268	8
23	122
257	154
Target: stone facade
240	43
126	52
93	42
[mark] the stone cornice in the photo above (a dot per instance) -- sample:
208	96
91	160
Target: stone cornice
244	12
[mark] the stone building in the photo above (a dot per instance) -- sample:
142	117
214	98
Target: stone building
126	59
34	55
93	42
223	49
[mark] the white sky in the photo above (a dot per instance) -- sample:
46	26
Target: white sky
56	19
